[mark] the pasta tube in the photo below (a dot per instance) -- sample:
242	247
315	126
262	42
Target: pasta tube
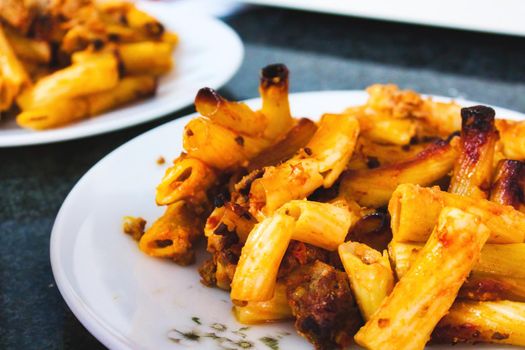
512	138
509	184
473	169
256	272
374	187
273	88
369	154
146	57
318	164
12	73
173	234
275	309
236	116
294	179
128	89
225	220
32	50
423	296
371	277
323	225
410	223
188	179
332	145
296	139
218	146
500	322
383	129
498	274
98	74
59	113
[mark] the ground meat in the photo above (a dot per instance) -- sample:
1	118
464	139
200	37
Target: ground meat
321	301
298	254
134	226
207	272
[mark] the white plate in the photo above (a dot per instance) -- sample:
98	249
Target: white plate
127	299
502	17
209	54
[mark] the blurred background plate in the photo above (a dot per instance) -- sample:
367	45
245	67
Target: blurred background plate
131	301
502	17
209	53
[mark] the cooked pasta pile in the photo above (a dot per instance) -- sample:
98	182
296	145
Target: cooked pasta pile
63	61
392	223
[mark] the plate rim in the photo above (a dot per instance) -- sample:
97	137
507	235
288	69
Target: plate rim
50	136
87	317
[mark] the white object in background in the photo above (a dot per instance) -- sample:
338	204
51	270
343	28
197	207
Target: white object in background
502	16
209	53
132	301
216	8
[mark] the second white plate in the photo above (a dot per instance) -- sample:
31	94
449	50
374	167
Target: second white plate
131	301
209	54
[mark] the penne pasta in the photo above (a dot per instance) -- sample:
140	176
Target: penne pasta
272	310
296	139
173	234
294	179
509	184
59	113
98	74
33	50
370	274
12	73
273	88
187	179
322	225
512	138
256	273
128	89
333	145
218	146
369	154
423	296
472	174
383	129
237	117
374	187
410	223
501	322
497	275
146	57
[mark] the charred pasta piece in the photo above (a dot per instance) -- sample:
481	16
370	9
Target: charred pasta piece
323	306
371	277
236	116
423	296
220	147
414	211
273	87
509	184
501	322
473	170
374	187
497	275
297	138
